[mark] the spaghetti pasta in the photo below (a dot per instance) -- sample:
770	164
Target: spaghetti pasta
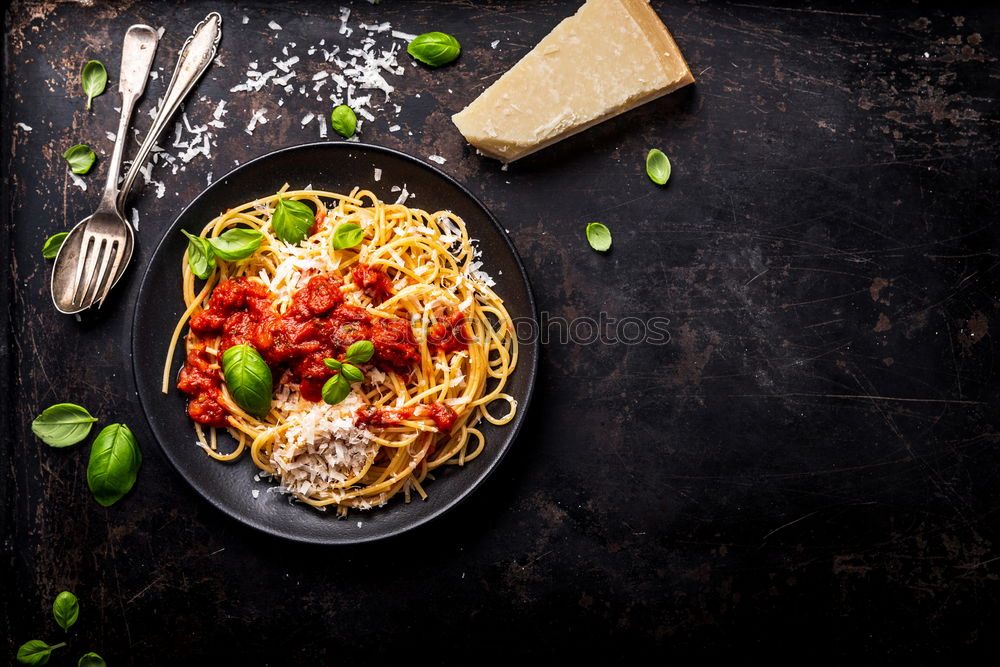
444	348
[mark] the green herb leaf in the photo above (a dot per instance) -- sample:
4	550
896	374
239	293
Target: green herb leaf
332	364
352	373
66	609
62	425
434	48
336	389
91	660
360	352
237	243
93	79
36	652
347	235
344	121
114	464
248	378
292	221
80	158
52	245
599	237
657	166
201	259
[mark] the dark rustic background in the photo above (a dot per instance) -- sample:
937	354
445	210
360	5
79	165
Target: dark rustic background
811	462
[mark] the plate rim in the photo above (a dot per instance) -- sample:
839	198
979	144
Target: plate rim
465	493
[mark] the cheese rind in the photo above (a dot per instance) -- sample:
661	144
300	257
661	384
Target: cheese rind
609	57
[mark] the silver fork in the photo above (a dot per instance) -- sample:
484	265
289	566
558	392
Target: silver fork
106	234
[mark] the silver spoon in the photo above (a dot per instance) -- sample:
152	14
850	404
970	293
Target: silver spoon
92	252
194	58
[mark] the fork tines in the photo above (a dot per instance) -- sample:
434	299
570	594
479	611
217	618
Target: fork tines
91	283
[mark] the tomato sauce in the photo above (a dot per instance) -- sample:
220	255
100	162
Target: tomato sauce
443	416
317	325
318	222
372	282
203	383
448	333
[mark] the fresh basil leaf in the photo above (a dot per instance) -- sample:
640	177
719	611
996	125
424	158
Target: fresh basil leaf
80	158
332	364
52	245
93	79
62	425
336	389
237	243
599	237
200	256
292	221
347	235
344	121
248	378
434	48
360	352
36	652
66	609
657	166
352	373
91	660
114	464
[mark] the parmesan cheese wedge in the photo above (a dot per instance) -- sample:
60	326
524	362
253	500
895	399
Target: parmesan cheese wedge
609	57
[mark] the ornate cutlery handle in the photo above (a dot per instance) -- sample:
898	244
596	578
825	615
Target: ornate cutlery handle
195	57
138	51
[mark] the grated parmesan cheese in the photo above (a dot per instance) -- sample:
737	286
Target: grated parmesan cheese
345	14
285	65
319	444
258	117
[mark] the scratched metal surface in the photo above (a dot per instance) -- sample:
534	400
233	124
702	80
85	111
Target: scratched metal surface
812	459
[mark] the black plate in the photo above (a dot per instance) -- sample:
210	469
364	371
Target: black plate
335	167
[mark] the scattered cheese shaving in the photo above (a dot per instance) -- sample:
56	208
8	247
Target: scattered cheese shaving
345	14
258	117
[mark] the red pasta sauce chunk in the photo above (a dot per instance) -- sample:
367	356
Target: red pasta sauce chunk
317	325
